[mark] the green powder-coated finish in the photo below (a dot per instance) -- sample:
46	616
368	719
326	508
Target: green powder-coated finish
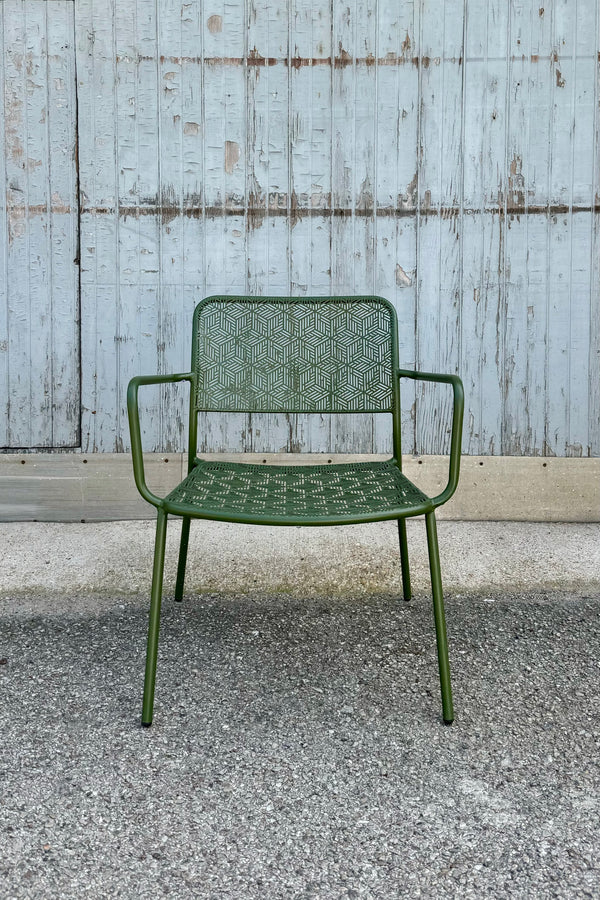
290	354
294	354
404	559
298	495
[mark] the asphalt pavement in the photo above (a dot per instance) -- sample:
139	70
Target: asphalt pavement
298	749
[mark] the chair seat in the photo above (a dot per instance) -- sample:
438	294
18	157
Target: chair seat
329	494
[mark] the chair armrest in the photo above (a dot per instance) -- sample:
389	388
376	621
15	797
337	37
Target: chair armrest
134	426
457	423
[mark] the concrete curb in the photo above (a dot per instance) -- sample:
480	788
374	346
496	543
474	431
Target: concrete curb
110	560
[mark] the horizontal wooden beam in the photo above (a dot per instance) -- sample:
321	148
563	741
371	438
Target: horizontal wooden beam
72	487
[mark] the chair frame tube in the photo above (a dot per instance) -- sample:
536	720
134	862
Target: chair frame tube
154	624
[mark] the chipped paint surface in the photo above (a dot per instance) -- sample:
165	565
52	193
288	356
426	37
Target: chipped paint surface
215	24
402	279
232	155
39	323
445	155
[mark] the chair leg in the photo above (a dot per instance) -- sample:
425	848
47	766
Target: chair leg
440	621
183	549
153	627
406	589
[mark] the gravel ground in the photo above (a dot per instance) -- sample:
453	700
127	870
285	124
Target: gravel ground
298	749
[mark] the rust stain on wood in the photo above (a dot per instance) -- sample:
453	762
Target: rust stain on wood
299	206
40	209
255	59
341	61
18	214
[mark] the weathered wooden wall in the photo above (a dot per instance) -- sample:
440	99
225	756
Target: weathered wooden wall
442	153
39	314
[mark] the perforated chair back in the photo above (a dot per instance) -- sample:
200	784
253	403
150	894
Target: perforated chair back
291	354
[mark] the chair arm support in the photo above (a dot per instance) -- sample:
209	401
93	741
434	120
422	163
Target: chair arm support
134	426
457	423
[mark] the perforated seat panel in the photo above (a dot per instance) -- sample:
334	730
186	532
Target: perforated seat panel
307	495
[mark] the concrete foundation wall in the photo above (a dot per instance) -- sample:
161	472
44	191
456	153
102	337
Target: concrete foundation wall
69	487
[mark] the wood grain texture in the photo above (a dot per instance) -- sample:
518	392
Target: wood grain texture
39	330
442	154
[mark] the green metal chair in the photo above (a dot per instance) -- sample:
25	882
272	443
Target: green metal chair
295	355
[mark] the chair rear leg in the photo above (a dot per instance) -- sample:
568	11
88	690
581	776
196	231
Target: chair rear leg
440	620
183	549
406	589
153	627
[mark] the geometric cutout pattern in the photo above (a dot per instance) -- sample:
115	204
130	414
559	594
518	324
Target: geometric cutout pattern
228	490
293	354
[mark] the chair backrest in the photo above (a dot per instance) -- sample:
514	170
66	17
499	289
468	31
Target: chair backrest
295	354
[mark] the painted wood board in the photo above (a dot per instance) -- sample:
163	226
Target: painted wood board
444	155
39	334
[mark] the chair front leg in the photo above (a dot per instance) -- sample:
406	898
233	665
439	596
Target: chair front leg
183	549
153	627
440	619
406	589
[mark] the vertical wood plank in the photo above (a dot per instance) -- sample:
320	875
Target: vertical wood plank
558	337
33	386
98	161
353	104
267	177
485	80
397	168
41	343
310	75
4	317
170	213
63	239
440	190
524	369
481	356
594	265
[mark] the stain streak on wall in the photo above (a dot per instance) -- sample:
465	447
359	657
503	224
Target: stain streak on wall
279	205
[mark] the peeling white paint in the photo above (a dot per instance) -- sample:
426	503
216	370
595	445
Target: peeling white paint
402	279
39	330
215	24
443	155
232	155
